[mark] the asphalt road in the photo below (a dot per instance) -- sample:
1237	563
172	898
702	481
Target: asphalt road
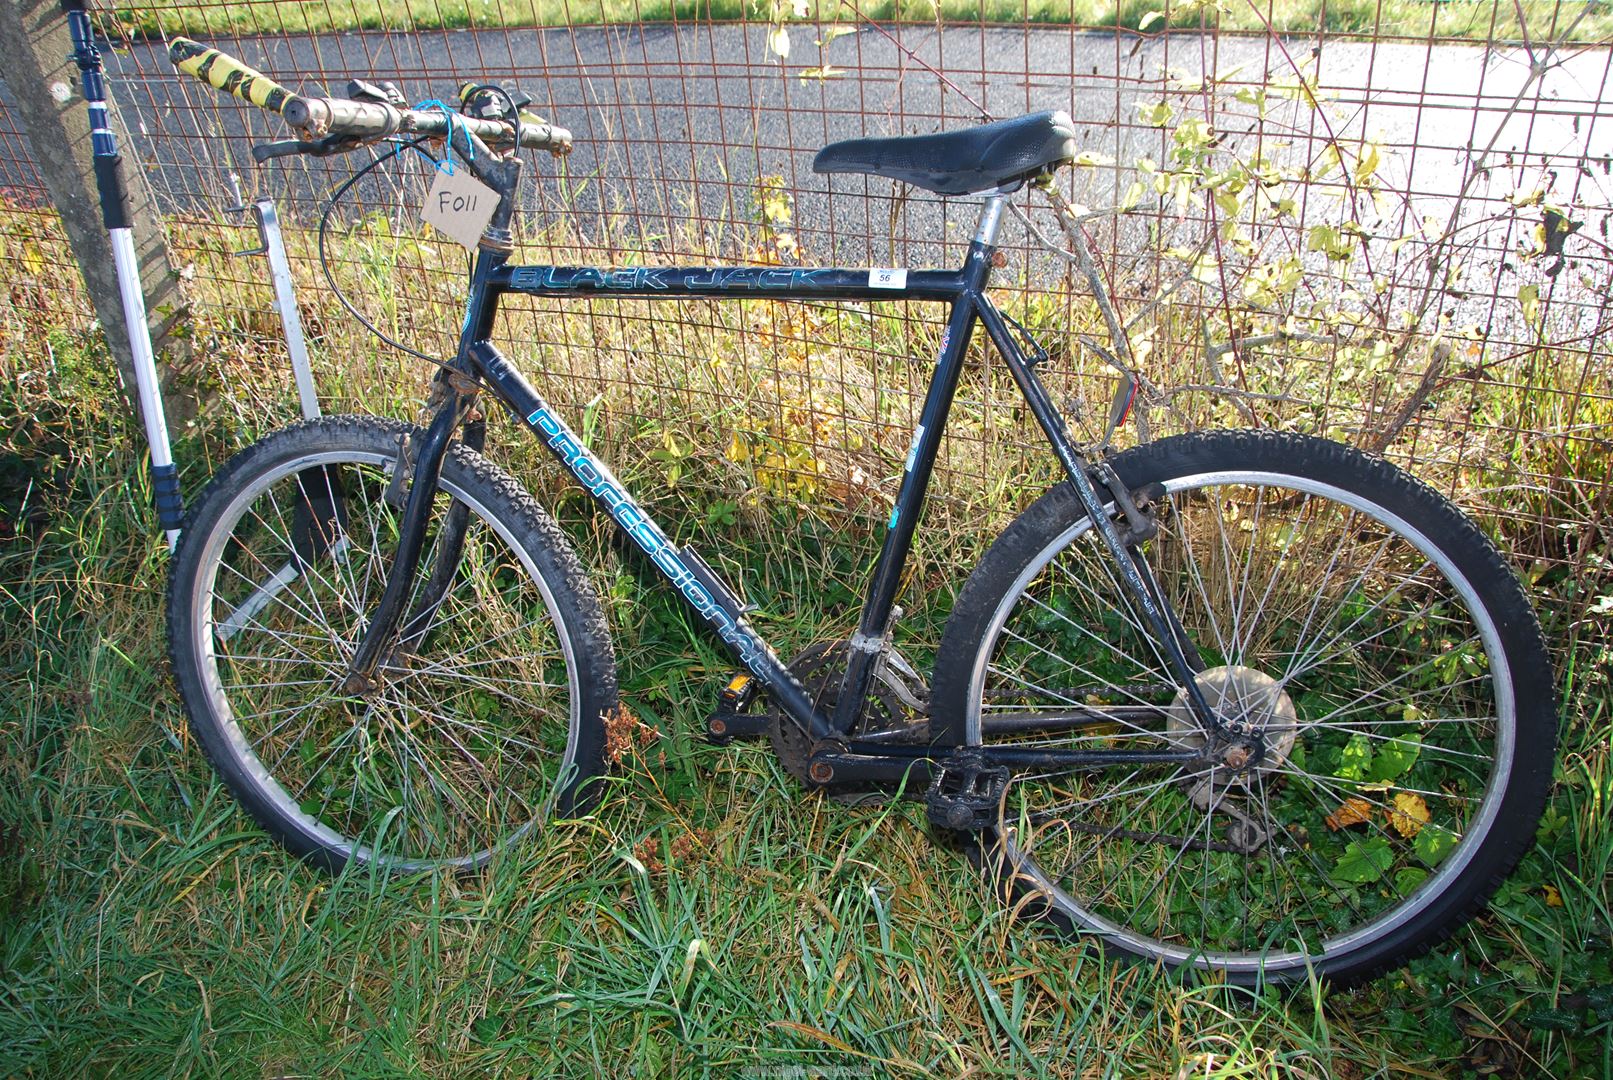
654	107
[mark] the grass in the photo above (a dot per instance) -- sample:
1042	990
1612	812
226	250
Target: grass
1458	20
710	919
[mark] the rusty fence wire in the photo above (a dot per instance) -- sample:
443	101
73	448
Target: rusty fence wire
1387	224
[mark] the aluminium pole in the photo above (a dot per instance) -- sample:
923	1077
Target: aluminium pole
115	216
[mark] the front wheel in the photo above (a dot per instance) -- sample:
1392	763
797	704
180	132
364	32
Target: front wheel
1381	674
485	716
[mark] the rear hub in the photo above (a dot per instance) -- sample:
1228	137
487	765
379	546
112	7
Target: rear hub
1257	718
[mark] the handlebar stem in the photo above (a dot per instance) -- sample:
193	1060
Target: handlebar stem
503	175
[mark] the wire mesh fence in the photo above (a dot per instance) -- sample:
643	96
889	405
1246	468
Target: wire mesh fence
1384	222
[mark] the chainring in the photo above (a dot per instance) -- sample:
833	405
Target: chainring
819	667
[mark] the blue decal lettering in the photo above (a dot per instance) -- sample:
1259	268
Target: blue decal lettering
661	551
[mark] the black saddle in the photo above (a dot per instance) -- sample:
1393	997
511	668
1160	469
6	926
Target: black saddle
962	162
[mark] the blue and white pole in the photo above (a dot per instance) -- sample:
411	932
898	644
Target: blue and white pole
115	215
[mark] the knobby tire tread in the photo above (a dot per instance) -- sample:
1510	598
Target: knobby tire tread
1511	836
536	530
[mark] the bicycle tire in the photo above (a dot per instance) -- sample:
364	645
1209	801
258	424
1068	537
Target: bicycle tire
479	729
1414	773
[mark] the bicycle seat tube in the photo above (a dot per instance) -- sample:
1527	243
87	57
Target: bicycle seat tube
868	643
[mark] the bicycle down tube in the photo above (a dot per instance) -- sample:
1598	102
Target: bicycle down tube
683	568
701	587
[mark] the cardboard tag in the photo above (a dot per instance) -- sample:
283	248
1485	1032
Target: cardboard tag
460	205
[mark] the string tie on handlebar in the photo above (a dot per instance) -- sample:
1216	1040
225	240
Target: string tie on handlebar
453	117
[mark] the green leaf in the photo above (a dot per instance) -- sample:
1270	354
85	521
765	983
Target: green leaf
1355	758
834	33
1395	757
1408	879
1433	843
1548	1019
1364	861
1529	300
1149	19
1155	113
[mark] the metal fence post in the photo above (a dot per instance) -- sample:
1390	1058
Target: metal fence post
273	247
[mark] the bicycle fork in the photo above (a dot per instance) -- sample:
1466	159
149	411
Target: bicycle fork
430	450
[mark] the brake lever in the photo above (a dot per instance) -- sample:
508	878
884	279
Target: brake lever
329	145
385	93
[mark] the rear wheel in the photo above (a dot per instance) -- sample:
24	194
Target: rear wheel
1384	666
482	722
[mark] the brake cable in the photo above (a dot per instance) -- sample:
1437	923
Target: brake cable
397	150
324	260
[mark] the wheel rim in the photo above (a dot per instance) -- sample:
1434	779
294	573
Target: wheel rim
1460	803
458	753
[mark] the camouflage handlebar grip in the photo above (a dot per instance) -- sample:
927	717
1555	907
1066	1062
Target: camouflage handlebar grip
320	118
226	73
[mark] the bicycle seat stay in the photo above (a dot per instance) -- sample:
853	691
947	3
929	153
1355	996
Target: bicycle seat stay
1001	154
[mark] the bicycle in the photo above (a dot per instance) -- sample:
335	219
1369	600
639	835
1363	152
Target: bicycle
1241	702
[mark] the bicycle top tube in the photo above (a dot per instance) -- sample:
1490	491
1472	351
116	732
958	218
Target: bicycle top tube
779	282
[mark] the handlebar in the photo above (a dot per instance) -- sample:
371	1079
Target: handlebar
329	125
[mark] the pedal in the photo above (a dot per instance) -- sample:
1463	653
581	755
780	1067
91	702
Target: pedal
733	718
965	794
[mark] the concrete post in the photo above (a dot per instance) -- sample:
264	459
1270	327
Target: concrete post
35	51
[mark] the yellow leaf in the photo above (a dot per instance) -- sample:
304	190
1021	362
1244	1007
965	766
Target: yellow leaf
811	1032
1352	812
1367	163
778	42
1529	300
1409	815
1553	897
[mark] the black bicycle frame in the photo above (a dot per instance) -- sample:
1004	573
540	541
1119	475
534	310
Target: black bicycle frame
964	290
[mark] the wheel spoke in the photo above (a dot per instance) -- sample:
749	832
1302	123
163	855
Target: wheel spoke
1335	636
467	727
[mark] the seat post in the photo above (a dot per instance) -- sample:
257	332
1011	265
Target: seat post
991	215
